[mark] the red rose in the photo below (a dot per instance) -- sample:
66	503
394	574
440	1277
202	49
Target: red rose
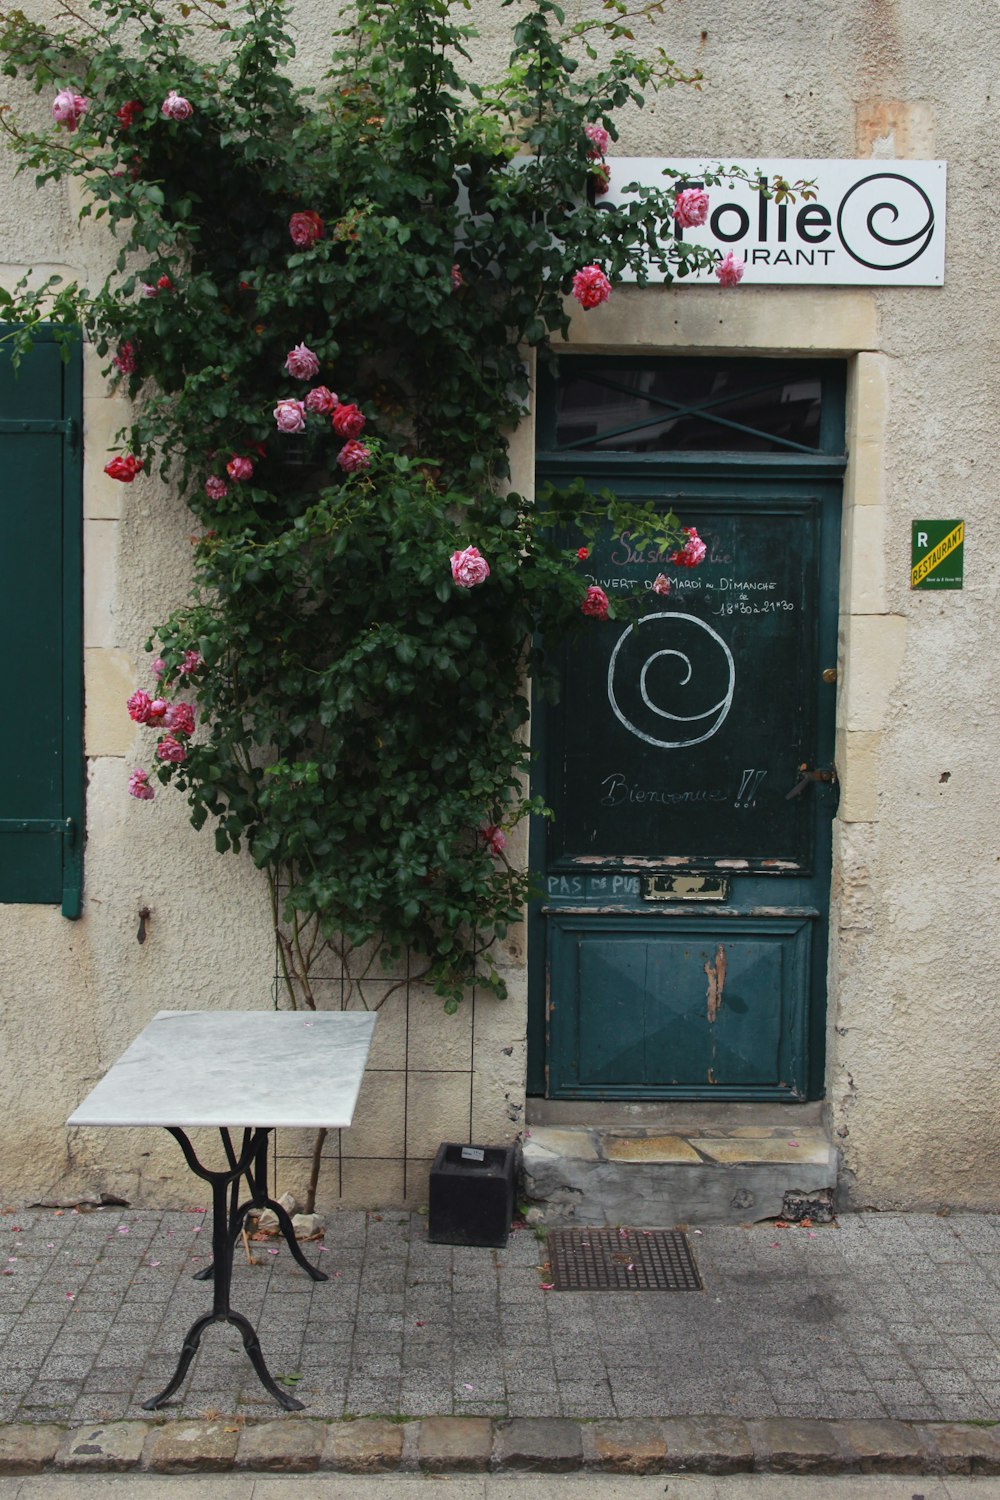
347	421
124	468
595	603
126	115
305	228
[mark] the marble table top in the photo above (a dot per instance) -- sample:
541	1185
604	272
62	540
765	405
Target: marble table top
225	1067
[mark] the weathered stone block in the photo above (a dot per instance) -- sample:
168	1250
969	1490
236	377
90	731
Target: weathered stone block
547	1444
109	1446
883	1447
630	1446
787	1445
364	1447
460	1443
183	1447
958	1449
708	1445
284	1447
25	1448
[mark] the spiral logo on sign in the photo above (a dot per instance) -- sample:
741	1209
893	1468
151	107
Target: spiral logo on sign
653	665
880	233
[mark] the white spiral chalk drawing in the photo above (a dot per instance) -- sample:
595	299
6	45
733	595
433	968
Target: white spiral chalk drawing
884	229
716	713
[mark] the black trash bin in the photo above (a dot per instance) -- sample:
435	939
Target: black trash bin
471	1195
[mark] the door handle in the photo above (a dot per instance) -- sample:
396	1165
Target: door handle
807	778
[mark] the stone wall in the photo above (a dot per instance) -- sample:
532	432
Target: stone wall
914	1028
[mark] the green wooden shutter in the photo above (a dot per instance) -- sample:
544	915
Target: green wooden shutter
41	743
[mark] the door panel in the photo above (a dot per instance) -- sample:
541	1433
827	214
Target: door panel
672	1006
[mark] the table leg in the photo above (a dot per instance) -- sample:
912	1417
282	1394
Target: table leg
223	1244
256	1178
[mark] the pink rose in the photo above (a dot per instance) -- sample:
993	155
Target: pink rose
124	360
692	552
302	363
598	138
216	488
158	666
239	468
290	416
595	603
179	717
354	457
348	421
469	568
138	785
494	838
157	710
457	279
591	287
68	108
171	749
148	290
691	208
192	661
175	107
321	399
138	707
730	270
305	228
661	585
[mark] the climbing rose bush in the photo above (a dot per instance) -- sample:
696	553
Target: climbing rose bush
357	705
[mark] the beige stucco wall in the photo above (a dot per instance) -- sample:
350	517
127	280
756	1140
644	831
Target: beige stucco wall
914	1027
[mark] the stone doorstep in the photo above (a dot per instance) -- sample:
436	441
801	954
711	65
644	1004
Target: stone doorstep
694	1445
588	1175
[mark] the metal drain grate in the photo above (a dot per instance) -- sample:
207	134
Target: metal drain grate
622	1260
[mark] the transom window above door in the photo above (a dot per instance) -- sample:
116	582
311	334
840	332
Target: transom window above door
690	406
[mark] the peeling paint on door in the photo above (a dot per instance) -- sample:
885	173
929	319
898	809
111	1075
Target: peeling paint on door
716	982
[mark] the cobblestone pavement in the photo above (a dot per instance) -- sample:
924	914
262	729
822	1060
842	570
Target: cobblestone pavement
880	1315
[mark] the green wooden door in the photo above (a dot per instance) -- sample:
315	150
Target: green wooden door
679	947
41	753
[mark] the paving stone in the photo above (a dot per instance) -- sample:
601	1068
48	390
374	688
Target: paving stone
455	1443
551	1445
790	1445
367	1446
959	1449
183	1447
629	1446
25	1448
708	1445
883	1447
288	1446
108	1446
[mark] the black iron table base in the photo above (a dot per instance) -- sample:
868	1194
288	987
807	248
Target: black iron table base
228	1217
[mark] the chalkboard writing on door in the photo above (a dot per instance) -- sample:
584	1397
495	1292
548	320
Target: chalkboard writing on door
683	722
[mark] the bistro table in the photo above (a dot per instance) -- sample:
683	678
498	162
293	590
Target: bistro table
224	1069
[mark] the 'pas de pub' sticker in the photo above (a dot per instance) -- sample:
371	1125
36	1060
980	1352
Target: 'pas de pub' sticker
937	554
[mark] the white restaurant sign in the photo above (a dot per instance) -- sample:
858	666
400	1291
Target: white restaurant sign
872	222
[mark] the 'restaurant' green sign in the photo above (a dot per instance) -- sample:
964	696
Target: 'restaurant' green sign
937	554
